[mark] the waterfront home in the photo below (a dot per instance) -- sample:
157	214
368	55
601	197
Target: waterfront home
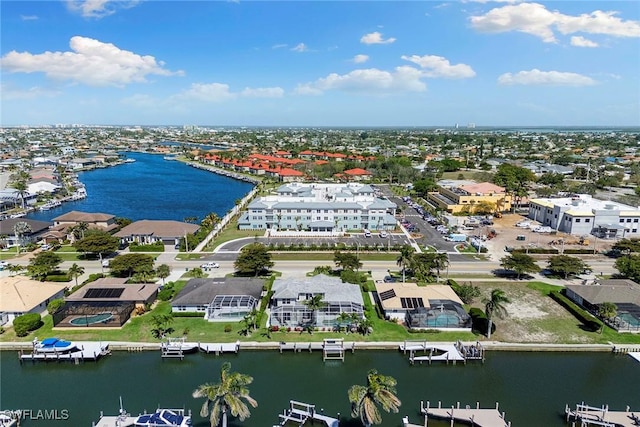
624	293
37	229
221	298
464	196
20	295
355	174
288	304
98	221
109	299
423	307
147	232
320	207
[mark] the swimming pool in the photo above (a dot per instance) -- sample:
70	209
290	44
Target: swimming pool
442	320
90	320
630	319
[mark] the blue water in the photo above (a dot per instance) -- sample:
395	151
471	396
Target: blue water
153	188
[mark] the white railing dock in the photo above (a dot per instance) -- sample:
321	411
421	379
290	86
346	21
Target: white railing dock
601	416
300	413
475	416
457	352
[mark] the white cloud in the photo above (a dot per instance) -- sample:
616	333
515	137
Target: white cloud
359	59
10	92
219	92
29	17
582	42
279	46
91	62
99	8
376	38
372	80
545	78
535	19
437	66
263	92
300	47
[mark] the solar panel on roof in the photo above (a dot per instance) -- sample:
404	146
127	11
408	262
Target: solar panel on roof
411	302
104	293
387	294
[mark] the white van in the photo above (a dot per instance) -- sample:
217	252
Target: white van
384	234
367	233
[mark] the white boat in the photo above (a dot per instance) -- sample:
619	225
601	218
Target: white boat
53	345
10	418
170	157
179	345
160	418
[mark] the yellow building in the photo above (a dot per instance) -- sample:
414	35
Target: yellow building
470	197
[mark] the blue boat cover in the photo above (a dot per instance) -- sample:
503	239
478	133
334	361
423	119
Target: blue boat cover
162	417
49	341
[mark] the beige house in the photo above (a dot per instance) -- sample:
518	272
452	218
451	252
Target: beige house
20	295
147	231
423	307
461	196
63	224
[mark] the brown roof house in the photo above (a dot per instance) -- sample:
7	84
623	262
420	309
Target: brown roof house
147	231
20	295
107	302
423	307
37	230
220	299
63	224
624	293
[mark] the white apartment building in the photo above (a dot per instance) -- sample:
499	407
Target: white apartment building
320	207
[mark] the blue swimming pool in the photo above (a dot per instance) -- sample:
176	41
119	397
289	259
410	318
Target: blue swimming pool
630	319
443	320
90	320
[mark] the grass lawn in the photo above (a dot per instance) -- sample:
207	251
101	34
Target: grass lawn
231	232
328	256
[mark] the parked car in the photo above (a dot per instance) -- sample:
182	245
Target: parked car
367	233
390	279
209	265
3	265
383	234
106	263
523	224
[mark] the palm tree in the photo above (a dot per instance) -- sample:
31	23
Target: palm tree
75	271
440	262
21	187
314	304
226	396
163	271
495	305
380	390
80	228
21	228
404	259
210	220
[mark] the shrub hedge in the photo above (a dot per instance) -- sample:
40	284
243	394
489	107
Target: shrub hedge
27	323
591	323
536	251
187	314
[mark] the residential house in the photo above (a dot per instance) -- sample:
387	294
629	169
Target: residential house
21	295
423	307
219	299
37	230
98	221
147	232
624	293
288	308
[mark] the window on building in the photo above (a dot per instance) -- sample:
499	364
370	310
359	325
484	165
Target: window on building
621	219
577	219
587	220
628	219
635	220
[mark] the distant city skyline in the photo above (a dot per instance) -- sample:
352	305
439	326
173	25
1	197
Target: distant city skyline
503	63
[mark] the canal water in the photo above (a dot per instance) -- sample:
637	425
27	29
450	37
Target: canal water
532	388
153	188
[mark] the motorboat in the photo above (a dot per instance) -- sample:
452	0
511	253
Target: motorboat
179	345
53	345
164	417
160	418
9	418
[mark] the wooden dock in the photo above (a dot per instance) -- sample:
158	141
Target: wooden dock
177	349
299	413
588	416
475	416
85	350
332	349
457	352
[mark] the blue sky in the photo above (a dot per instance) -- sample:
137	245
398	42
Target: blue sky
306	63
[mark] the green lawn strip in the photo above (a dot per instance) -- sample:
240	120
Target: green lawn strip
231	232
190	256
328	256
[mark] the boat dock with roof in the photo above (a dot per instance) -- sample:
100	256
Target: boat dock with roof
475	416
457	352
589	416
299	413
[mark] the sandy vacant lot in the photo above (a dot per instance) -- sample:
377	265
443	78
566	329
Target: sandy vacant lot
533	317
